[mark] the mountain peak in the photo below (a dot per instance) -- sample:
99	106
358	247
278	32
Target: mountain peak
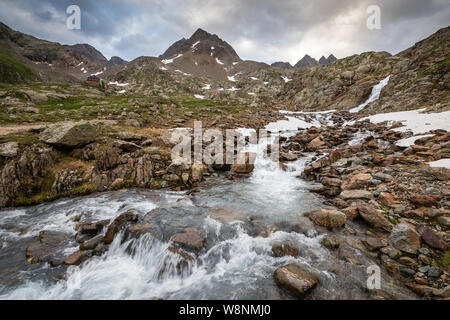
200	34
206	44
307	61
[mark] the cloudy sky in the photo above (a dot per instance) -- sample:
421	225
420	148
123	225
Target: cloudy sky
262	30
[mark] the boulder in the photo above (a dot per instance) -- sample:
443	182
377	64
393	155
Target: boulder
9	149
373	216
404	238
356	181
432	238
425	200
328	218
356	194
246	167
69	134
117	224
295	279
191	239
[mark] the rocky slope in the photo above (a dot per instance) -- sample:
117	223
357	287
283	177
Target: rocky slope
419	78
34	59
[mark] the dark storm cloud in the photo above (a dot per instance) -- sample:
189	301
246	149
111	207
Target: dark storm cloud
264	30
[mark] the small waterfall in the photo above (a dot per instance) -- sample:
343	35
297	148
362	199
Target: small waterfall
376	91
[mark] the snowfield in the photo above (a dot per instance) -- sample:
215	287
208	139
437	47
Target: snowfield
415	120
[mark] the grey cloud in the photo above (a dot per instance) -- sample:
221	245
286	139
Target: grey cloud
266	30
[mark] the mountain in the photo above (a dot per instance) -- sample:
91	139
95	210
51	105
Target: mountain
203	43
281	65
331	58
204	54
24	58
306	61
90	53
115	61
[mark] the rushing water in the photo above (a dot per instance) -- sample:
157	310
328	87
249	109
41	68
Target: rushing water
236	263
374	95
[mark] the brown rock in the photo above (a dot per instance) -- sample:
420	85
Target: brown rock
387	199
373	216
295	279
356	194
351	212
356	181
117	224
316	143
77	257
374	243
190	239
328	218
425	200
432	238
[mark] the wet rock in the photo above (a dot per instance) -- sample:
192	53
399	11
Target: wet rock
304	226
69	134
49	247
373	216
425	200
283	249
295	279
135	231
246	167
331	242
432	238
328	218
355	194
404	238
9	149
117	224
77	257
91	243
191	239
356	181
227	215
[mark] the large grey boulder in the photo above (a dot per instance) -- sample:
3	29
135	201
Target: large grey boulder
69	134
